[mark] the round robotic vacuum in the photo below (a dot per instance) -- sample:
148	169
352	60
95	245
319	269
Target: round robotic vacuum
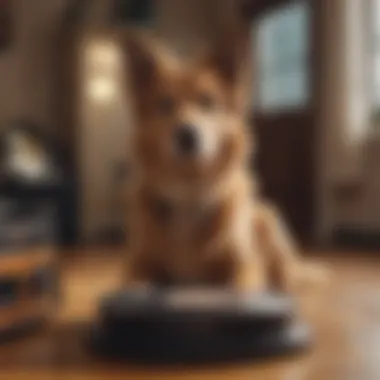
183	326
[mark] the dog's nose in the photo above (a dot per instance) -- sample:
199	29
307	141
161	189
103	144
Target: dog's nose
187	139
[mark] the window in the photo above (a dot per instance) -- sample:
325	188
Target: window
282	39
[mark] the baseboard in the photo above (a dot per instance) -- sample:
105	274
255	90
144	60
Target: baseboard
354	237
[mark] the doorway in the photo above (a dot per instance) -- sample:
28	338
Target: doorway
284	35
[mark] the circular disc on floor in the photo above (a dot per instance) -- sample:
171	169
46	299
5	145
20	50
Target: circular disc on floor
178	327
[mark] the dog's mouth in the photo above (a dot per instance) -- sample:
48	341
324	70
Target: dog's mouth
190	170
198	167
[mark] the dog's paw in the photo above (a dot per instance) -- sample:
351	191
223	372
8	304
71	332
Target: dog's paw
314	275
250	281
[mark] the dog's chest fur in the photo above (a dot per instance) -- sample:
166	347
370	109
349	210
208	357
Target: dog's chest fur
187	231
182	222
180	226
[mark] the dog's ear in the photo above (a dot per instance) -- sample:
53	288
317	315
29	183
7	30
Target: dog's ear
141	60
231	59
224	60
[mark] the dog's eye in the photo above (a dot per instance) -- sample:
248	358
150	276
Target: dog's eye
166	105
206	101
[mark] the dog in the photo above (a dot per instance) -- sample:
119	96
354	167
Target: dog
196	214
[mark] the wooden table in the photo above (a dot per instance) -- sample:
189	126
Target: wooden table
346	318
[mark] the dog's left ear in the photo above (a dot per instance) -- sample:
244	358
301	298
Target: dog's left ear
231	58
140	53
226	62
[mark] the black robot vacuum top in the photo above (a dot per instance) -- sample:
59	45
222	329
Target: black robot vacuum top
197	325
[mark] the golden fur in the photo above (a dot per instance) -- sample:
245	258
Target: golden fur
199	219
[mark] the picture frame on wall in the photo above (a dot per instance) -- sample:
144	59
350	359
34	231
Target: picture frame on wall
5	25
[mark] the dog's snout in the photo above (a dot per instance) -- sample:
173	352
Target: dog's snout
187	139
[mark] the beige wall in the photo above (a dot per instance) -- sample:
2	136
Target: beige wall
362	209
349	154
25	74
105	121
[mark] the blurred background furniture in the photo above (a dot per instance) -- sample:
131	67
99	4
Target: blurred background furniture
34	219
34	166
28	260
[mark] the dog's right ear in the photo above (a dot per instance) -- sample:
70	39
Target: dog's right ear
140	59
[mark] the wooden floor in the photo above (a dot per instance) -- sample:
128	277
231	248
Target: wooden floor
346	318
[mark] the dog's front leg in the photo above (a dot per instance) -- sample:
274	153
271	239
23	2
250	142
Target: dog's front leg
231	256
236	269
138	272
288	270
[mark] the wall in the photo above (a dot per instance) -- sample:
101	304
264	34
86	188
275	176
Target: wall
349	183
105	121
25	82
361	211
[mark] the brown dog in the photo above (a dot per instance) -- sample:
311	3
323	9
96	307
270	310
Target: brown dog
196	216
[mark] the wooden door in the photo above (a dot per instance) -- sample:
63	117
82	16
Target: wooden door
284	113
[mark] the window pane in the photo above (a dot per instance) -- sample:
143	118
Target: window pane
282	50
285	90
